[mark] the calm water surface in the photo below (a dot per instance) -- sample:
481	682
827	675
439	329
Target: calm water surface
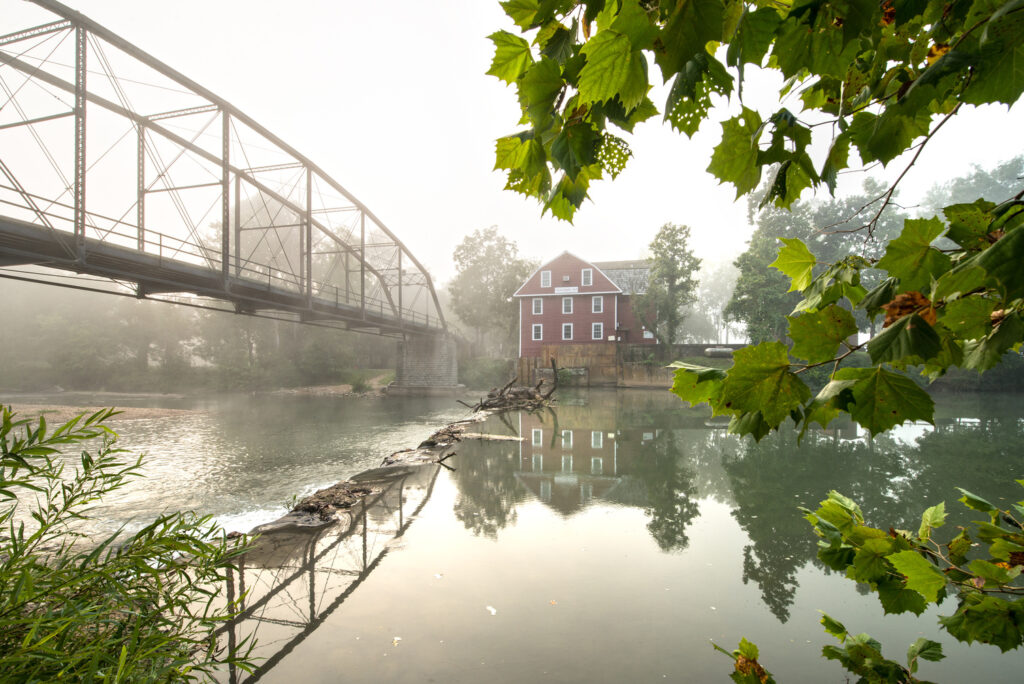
613	543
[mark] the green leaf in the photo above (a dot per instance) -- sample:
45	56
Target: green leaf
575	148
753	37
609	56
834	627
760	380
922	576
538	89
634	22
969	224
750	423
909	338
869	564
837	160
987	352
696	384
882	399
522	12
1002	262
690	98
511	57
999	70
993	575
693	24
817	336
883	138
795	261
747	649
880	295
896	599
926	649
735	158
969	317
975	502
934	517
912	259
987	619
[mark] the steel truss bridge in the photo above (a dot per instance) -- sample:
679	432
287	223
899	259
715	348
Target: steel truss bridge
117	168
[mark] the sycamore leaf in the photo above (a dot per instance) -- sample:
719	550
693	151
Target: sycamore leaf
922	576
926	649
975	502
987	619
882	398
817	336
522	12
735	158
750	423
908	338
897	599
869	563
691	27
985	353
696	384
511	56
609	56
753	37
934	517
538	88
1002	262
969	224
969	317
911	258
796	261
575	148
760	381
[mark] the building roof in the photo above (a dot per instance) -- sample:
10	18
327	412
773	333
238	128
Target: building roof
630	276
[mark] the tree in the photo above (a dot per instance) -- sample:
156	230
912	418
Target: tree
761	300
706	314
489	271
672	285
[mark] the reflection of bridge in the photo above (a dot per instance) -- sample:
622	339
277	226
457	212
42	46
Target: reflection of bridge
187	196
293	581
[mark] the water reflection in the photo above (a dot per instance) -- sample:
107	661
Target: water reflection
600	466
293	580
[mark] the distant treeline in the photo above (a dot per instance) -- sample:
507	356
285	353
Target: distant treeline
56	337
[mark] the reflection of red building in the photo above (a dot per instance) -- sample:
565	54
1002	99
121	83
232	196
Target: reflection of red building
569	301
568	464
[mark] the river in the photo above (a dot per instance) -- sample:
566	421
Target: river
614	542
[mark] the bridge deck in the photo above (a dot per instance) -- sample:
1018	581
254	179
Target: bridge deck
27	243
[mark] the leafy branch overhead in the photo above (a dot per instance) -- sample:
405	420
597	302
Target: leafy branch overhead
874	80
872	77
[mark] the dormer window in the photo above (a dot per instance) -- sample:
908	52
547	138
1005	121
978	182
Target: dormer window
545	278
587	277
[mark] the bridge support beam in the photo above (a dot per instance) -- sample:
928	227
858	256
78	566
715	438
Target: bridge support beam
427	366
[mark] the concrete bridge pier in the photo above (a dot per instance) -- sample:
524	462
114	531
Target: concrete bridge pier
427	366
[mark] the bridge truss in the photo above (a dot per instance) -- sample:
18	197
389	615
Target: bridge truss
116	167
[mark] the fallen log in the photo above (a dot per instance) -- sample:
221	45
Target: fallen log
514	397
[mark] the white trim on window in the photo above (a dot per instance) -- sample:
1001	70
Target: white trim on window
587	277
545	278
596	439
597	304
538	306
567	305
567	439
567	331
538	332
597	331
537	437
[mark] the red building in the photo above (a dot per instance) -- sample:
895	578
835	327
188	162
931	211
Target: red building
572	301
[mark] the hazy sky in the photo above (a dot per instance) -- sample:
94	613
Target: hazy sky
391	99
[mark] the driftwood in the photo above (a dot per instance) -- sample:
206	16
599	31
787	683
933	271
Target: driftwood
514	397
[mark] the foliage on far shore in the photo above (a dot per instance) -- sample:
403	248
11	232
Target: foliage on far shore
130	607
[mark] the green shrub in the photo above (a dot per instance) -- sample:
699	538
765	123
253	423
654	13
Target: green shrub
485	373
139	607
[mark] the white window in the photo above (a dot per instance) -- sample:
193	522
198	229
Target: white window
648	335
537	463
597	466
587	277
537	437
538	306
597	439
566	331
567	439
567	464
597	331
545	278
586	492
545	490
567	305
596	304
538	331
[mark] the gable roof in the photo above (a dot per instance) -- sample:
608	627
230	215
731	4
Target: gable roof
630	276
566	264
